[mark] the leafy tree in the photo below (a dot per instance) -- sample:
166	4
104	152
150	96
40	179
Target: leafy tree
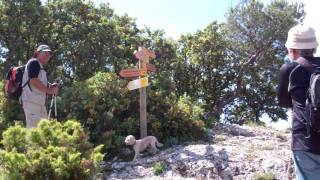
231	67
21	23
81	36
257	35
165	62
203	71
85	39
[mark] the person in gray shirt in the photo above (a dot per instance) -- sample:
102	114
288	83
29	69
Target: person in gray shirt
34	93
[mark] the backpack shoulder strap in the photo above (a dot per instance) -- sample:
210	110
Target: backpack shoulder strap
28	81
306	64
290	75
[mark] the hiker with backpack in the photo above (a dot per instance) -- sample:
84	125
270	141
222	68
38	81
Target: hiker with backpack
36	86
298	88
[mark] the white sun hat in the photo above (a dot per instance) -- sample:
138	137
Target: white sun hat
301	37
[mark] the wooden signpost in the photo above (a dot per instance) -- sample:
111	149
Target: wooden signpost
138	83
133	72
143	55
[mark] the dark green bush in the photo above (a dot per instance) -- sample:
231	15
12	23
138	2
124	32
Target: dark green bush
52	151
182	119
102	105
10	111
97	103
110	112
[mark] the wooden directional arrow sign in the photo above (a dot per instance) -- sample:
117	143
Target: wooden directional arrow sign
138	83
151	68
144	54
133	72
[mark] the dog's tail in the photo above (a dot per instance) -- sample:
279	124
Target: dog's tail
159	144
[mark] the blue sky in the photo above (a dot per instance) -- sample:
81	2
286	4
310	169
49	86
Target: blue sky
176	17
312	17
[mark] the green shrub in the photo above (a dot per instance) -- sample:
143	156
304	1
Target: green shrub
182	119
10	111
98	103
158	168
264	176
104	107
52	151
112	141
110	112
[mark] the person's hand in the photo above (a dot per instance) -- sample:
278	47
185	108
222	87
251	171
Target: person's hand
53	85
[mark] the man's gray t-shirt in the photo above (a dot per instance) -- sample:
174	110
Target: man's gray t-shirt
30	93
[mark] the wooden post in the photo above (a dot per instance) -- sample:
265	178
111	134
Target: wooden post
143	112
143	104
143	55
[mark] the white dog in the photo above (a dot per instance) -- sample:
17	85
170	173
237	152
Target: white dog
141	144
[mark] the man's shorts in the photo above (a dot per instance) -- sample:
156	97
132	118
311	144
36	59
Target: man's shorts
33	113
307	165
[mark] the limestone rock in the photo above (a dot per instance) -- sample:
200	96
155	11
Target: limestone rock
233	152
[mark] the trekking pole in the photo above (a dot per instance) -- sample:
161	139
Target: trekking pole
55	106
51	104
54	98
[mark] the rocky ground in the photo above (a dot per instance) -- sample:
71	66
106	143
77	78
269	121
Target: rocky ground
232	152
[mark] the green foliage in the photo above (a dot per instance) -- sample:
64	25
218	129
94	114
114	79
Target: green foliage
112	141
9	112
231	66
264	176
14	138
99	104
3	122
256	36
82	37
181	119
158	168
226	68
52	151
85	39
110	112
22	22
